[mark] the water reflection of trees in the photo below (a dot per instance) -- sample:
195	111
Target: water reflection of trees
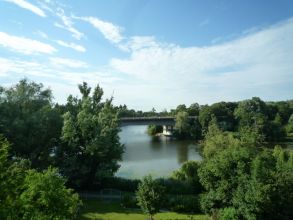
182	152
156	143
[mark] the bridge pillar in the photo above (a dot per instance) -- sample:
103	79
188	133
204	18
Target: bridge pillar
168	130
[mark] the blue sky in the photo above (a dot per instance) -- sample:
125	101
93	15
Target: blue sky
151	53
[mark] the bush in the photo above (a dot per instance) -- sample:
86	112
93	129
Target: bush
228	214
177	187
129	201
183	204
119	183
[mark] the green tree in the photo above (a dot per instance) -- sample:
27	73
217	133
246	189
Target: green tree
150	195
217	140
154	129
289	127
193	109
30	122
188	172
46	197
28	194
242	183
91	148
253	114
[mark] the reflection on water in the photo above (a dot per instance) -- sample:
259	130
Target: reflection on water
158	156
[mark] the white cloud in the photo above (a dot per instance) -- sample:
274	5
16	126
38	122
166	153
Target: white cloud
73	46
58	61
26	5
67	24
24	45
139	42
42	34
253	65
110	31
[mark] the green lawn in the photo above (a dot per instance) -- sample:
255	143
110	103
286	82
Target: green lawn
94	209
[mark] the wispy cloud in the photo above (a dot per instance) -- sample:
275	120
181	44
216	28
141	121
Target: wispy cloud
24	45
204	22
42	34
139	42
252	65
68	24
26	5
73	46
110	31
65	62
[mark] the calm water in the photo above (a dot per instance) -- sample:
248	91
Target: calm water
144	155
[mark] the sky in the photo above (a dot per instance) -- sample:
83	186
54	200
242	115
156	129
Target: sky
151	53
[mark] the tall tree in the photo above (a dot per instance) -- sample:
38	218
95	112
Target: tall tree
91	147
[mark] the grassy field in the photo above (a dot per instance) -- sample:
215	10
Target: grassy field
97	210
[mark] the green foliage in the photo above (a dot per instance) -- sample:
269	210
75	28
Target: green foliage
128	185
154	129
289	127
29	122
222	112
28	194
91	148
46	197
183	204
186	128
188	173
229	213
129	201
243	184
255	114
216	140
150	196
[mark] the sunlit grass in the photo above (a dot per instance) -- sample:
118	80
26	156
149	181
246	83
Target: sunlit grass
97	210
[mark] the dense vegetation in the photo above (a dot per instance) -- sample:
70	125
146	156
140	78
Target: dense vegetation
273	120
238	177
80	138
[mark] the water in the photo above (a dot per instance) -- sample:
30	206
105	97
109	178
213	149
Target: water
145	155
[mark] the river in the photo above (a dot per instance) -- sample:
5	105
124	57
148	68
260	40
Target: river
145	155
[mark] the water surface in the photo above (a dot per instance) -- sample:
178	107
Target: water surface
146	155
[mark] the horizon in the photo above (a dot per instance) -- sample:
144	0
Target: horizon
151	53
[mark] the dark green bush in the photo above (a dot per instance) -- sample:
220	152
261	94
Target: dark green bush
183	204
129	201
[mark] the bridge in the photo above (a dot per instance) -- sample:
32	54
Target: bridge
167	122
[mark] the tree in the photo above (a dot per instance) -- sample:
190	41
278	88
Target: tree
217	140
154	129
28	194
242	183
193	109
30	122
91	148
150	196
188	172
289	127
253	114
46	197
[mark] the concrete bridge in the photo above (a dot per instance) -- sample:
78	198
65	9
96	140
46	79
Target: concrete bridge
167	122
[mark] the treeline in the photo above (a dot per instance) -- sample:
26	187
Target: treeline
274	120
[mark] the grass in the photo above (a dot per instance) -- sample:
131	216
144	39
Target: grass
97	210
